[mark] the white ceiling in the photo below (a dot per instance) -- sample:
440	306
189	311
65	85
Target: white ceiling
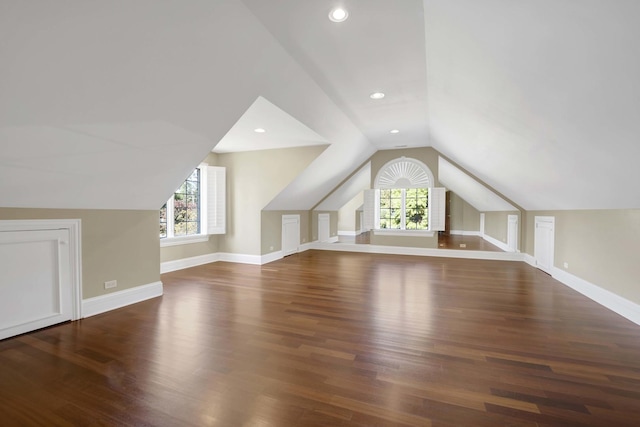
472	191
381	47
111	104
281	131
540	99
357	183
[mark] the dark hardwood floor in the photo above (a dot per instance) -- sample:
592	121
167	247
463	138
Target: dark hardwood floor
334	339
468	243
445	241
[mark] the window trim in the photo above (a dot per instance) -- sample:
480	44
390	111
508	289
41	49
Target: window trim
399	232
183	240
203	236
405	173
403	209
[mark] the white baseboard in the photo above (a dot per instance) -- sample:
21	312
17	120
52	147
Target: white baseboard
103	303
464	233
273	256
405	250
240	258
530	260
307	246
613	302
183	263
497	243
347	233
195	261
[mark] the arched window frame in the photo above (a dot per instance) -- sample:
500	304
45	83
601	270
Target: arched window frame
405	173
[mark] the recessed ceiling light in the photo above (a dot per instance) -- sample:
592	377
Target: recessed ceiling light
338	14
259	130
394	131
376	95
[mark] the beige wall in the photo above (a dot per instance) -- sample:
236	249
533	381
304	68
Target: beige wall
406	241
429	157
271	226
600	246
496	225
117	245
254	178
426	155
333	224
464	217
172	253
347	214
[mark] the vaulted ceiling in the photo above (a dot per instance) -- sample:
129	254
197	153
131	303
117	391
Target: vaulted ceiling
110	104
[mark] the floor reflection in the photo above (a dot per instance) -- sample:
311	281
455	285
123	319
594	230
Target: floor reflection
464	243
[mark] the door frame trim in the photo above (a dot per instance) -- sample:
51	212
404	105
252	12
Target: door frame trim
328	219
73	226
552	220
510	219
287	218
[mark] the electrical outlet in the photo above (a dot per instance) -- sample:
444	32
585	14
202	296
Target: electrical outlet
463	245
110	284
566	265
270	248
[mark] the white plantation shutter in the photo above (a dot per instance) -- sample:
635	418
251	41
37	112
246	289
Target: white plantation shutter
437	208
216	200
369	210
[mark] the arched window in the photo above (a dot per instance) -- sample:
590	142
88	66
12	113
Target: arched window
404	173
402	198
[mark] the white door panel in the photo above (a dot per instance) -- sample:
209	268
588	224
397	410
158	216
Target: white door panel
290	234
512	232
323	227
544	243
35	285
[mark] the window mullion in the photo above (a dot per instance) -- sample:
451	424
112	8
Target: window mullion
170	217
403	215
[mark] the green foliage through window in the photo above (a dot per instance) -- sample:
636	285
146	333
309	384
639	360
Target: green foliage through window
185	206
404	209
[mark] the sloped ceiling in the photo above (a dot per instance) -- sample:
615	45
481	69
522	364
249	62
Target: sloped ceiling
357	183
540	99
379	48
111	104
472	191
280	130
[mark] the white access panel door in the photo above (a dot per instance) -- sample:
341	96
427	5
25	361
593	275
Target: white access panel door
323	227
35	280
544	242
512	232
290	234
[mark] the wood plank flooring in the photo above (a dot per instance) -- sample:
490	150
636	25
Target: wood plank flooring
445	241
334	339
466	243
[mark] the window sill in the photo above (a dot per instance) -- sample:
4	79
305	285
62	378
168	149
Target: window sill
404	233
183	240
